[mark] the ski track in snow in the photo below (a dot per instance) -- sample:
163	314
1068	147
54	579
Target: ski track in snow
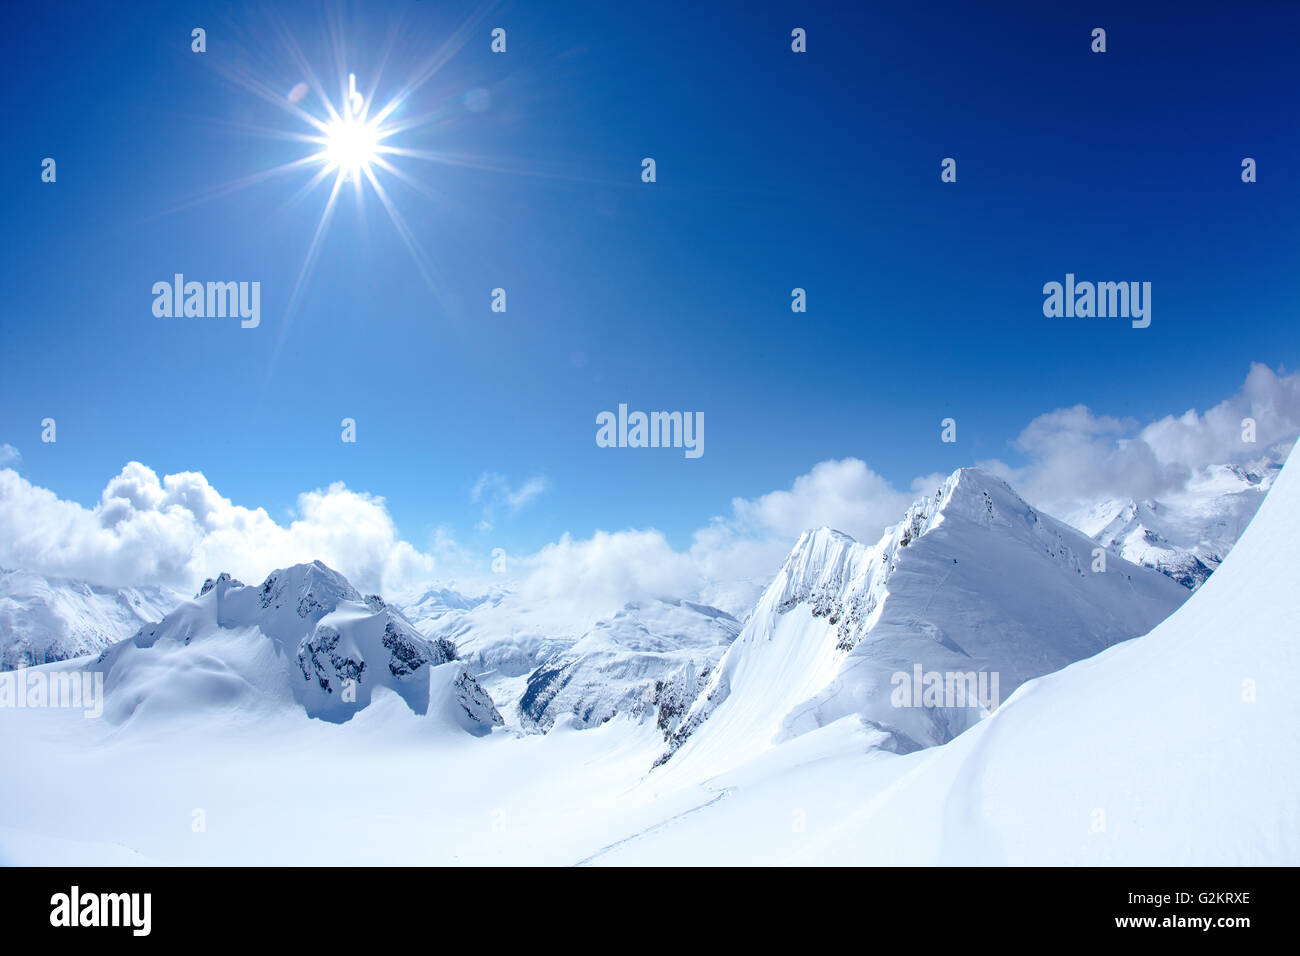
654	828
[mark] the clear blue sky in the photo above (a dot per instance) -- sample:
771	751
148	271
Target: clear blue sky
775	170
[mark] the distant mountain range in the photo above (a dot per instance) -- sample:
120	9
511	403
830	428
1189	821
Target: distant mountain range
972	580
51	619
1186	535
547	664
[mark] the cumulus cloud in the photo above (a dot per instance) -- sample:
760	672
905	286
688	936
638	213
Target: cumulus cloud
609	569
178	530
1269	398
729	560
9	455
1074	457
845	494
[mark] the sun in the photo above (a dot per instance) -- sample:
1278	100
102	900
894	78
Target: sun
351	146
354	139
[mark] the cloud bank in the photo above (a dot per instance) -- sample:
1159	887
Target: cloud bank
1076	457
178	529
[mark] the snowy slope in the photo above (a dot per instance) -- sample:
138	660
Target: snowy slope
546	662
1184	740
1185	535
51	619
972	581
1176	748
304	635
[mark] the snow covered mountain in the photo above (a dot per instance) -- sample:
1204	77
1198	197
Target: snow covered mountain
1172	748
434	603
52	619
305	635
1176	748
972	594
1186	535
544	663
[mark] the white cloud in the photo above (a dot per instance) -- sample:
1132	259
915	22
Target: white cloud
9	455
608	570
179	530
1072	457
845	494
1271	399
496	495
1076	457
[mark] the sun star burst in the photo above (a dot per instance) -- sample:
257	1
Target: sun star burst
354	137
351	145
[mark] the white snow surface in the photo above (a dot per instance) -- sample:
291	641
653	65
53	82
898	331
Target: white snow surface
1176	747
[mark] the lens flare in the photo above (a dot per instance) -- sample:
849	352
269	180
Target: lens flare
350	146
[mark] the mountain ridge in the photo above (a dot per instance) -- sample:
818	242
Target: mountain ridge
941	588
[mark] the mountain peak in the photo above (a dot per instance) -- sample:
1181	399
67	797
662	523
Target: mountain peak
944	589
313	589
817	546
222	582
825	564
306	632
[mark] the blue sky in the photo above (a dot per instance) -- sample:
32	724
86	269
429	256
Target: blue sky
775	170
